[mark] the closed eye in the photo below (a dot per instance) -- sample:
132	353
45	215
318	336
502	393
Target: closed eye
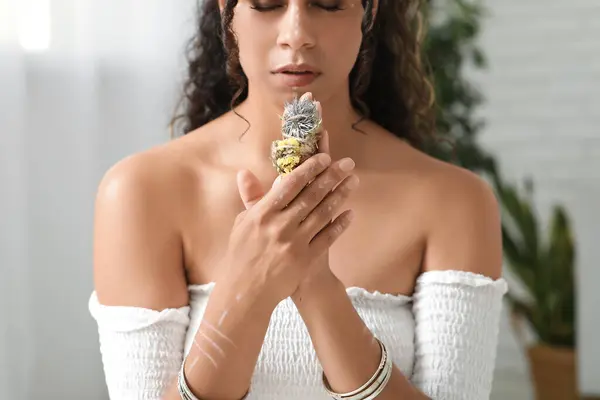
332	6
335	7
261	7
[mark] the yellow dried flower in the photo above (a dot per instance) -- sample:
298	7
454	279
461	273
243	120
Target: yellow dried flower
301	126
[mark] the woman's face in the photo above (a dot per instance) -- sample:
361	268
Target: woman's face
303	45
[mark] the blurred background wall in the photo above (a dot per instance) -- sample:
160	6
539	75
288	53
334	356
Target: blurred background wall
103	87
542	115
84	83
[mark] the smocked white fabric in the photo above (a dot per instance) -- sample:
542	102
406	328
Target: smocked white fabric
443	339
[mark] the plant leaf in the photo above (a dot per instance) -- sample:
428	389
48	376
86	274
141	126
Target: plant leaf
520	308
523	270
561	263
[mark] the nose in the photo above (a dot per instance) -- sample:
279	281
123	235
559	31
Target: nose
295	30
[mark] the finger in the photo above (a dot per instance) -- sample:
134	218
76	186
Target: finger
276	181
326	237
240	217
317	190
323	214
306	96
324	142
292	184
250	188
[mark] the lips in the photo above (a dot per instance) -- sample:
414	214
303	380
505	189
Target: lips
296	69
296	75
296	80
296	72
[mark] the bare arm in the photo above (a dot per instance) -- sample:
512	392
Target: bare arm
346	348
138	262
222	360
465	236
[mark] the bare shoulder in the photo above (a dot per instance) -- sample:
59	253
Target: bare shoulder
137	242
435	178
459	189
139	175
458	209
464	226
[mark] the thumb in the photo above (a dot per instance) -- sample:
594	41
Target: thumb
250	188
324	142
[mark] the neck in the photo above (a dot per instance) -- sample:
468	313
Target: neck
263	114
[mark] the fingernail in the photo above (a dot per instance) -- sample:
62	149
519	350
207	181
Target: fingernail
350	216
347	164
353	182
326	159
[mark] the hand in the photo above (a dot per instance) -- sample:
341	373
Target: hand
277	240
319	280
320	271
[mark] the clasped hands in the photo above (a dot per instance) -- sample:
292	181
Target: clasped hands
328	192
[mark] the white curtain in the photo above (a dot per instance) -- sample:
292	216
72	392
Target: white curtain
83	83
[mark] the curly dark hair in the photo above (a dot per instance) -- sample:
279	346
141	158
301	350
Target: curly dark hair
398	96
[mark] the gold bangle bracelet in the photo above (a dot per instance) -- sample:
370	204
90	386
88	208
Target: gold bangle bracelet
184	390
373	386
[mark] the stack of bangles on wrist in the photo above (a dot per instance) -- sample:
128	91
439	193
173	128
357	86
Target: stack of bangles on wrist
368	391
374	386
184	390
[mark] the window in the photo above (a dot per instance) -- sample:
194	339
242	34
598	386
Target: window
33	24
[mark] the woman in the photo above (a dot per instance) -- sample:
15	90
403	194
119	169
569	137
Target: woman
398	297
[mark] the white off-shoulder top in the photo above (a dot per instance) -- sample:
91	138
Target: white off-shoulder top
443	339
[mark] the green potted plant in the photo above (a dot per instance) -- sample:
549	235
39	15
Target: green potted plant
449	47
544	265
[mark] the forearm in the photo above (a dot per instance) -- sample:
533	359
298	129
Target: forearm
222	359
346	348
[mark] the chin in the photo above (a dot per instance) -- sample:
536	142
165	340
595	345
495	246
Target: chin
287	94
278	94
281	95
